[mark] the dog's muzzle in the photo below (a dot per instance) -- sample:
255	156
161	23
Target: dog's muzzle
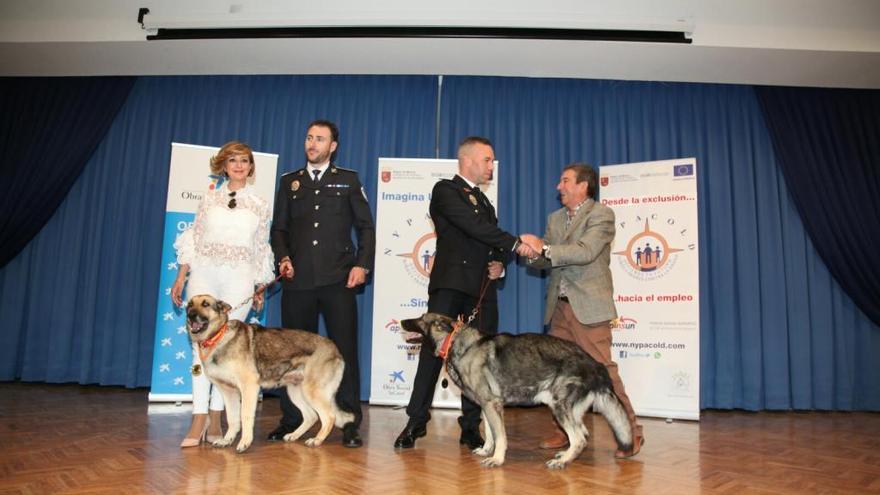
196	323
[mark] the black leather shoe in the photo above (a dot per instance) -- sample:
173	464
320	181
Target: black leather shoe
277	434
471	438
350	436
407	438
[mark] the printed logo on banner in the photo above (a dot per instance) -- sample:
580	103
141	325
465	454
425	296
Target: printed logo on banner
396	385
681	385
603	180
393	326
386	175
648	254
624	323
683	170
216	181
420	261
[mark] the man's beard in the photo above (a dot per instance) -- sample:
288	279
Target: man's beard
321	158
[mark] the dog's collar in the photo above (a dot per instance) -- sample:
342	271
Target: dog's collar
447	342
208	344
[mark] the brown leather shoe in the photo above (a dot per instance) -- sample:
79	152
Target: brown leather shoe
557	441
638	441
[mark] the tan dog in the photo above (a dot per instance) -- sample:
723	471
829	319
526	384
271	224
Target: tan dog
240	358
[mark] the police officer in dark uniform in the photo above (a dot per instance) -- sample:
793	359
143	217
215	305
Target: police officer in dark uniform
316	209
471	252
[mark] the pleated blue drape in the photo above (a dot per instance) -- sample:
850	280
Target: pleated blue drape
777	331
80	299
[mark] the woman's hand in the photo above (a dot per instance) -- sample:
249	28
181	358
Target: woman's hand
177	292
259	298
179	282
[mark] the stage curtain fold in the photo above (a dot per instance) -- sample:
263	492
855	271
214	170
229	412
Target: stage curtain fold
49	128
777	332
827	144
80	299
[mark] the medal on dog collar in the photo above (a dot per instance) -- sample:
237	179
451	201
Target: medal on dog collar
196	369
473	199
294	186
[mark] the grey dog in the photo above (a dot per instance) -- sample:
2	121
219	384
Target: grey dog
525	369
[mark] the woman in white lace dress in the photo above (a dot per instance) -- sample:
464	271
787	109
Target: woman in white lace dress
227	254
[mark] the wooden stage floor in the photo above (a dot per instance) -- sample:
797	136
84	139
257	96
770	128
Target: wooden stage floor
84	439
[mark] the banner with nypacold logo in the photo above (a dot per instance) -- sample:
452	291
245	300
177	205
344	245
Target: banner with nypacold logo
655	266
189	179
405	249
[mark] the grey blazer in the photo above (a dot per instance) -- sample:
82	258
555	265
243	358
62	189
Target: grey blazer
581	255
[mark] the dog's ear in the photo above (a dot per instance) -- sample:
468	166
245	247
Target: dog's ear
222	307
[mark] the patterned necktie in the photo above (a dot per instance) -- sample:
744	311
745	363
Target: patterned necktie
316	173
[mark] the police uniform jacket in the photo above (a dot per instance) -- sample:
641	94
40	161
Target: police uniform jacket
312	224
468	238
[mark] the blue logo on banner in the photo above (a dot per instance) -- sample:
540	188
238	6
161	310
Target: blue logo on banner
683	170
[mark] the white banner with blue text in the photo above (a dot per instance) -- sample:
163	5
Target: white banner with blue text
405	248
189	179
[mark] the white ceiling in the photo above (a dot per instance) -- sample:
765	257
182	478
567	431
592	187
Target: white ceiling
830	43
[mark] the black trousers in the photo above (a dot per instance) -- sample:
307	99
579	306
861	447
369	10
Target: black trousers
451	303
300	310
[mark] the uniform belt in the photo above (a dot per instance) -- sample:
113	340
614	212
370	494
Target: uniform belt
563	299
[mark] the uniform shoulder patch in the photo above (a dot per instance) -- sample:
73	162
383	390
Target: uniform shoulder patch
345	169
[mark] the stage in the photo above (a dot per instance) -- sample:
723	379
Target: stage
88	439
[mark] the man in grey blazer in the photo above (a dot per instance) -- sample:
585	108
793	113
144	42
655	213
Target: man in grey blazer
576	248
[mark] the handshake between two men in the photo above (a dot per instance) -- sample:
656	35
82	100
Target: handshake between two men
530	246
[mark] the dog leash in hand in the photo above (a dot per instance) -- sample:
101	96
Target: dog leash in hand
473	315
259	290
458	325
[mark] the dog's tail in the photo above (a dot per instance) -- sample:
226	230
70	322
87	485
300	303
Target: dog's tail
606	403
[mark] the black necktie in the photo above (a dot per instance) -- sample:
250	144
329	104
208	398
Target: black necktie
482	197
316	173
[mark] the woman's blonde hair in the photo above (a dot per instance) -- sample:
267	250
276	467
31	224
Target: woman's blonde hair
218	161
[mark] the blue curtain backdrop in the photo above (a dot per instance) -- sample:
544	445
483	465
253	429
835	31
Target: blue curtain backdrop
79	301
49	129
777	331
827	144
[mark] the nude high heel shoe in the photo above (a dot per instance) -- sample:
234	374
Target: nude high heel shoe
214	419
195	441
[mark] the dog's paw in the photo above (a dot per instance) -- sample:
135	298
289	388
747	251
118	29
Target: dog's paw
223	442
313	442
491	462
290	437
483	451
241	447
556	464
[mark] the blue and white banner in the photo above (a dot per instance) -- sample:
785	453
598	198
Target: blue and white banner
189	178
405	248
655	264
